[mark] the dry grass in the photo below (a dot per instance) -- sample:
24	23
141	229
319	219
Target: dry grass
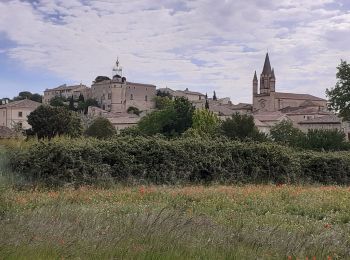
177	222
155	222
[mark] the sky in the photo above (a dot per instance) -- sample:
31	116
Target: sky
203	45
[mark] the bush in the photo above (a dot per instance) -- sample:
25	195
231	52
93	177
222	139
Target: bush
154	160
189	160
101	128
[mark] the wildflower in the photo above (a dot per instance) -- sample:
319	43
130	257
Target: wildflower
142	190
327	225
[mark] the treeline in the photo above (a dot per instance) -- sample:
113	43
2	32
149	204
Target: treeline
177	118
189	160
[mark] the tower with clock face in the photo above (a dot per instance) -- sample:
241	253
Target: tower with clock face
263	99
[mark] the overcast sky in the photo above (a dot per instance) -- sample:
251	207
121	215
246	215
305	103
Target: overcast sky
204	45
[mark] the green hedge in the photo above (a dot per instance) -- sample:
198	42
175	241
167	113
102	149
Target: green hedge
181	161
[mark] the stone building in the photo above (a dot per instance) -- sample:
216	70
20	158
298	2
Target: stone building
119	120
267	99
305	111
15	113
118	94
190	95
66	92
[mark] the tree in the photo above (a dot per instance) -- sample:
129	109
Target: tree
71	103
214	96
206	104
241	127
173	120
205	122
162	102
57	101
101	128
37	98
28	95
48	122
90	102
164	94
182	117
134	110
81	98
339	96
285	133
324	139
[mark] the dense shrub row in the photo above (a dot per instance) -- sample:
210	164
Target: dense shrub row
186	160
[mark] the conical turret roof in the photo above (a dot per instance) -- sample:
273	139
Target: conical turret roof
267	65
255	77
273	74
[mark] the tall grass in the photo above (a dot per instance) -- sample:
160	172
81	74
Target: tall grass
248	222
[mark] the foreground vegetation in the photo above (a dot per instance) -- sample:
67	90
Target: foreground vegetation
154	160
222	222
172	222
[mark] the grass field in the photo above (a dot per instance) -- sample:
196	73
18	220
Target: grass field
154	222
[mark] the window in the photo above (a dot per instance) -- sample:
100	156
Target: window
146	98
109	95
131	97
20	114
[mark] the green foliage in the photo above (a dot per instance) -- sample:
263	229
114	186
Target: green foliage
323	139
206	104
163	102
28	95
134	110
101	128
241	127
131	131
88	103
81	98
48	122
58	101
71	104
164	94
205	122
185	160
285	133
155	160
339	96
173	120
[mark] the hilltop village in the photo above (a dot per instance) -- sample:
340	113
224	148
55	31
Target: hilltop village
117	99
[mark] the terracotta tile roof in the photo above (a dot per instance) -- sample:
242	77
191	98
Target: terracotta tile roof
297	96
329	119
25	103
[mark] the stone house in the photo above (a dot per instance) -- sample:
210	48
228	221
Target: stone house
119	120
66	92
15	113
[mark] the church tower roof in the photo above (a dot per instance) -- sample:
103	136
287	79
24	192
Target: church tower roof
267	65
255	77
273	74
